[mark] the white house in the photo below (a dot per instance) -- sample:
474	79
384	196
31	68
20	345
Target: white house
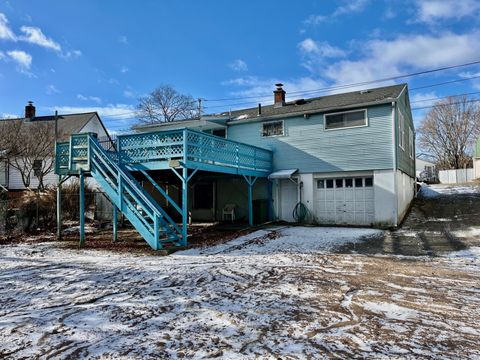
11	178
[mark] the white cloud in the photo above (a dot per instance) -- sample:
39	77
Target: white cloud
35	36
430	11
71	54
350	6
2	55
9	116
123	40
117	111
89	98
123	69
386	58
238	65
320	48
5	32
23	59
52	89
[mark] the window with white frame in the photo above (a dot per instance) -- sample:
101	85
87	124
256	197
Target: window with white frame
346	119
410	143
401	130
273	128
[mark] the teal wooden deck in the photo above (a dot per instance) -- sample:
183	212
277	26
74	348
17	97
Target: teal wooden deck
183	151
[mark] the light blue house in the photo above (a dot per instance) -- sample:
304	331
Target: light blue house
346	159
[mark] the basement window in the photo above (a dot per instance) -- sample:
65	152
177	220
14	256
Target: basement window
273	128
346	119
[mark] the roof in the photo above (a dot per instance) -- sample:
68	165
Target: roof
326	103
67	124
353	99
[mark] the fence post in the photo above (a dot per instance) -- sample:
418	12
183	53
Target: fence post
82	208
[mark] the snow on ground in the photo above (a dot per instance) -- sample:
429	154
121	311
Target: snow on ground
278	293
432	191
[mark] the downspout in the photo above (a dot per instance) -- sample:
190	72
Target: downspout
394	144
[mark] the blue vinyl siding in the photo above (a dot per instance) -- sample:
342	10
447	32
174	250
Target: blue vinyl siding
310	148
404	161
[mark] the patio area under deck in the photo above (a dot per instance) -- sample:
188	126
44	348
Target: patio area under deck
184	152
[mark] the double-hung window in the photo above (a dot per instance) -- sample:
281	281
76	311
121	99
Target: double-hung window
401	130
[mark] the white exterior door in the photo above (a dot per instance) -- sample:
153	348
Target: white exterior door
344	201
288	199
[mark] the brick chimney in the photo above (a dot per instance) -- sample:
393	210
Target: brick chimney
279	96
30	110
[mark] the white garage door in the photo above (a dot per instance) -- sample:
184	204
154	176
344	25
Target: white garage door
344	201
288	199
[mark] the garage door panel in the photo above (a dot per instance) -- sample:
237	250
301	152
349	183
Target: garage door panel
344	204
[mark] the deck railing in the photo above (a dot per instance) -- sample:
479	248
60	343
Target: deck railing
191	147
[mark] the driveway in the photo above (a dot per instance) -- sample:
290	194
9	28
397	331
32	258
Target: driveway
443	218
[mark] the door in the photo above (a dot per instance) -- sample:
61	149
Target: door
344	201
288	199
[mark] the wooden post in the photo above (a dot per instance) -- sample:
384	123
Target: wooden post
184	206
115	223
82	208
59	208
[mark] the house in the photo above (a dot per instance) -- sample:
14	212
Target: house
426	171
350	158
69	124
346	159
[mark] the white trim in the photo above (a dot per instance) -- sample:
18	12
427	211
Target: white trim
365	110
342	174
271	122
401	130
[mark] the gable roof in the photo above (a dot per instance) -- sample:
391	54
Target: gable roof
67	124
353	99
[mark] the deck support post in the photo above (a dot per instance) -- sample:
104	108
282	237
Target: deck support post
115	223
184	206
82	208
250	182
59	208
270	200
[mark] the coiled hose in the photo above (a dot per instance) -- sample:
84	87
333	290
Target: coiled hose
300	213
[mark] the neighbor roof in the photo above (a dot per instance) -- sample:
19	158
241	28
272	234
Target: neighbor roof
326	103
67	124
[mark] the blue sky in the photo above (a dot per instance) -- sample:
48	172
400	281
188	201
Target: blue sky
78	56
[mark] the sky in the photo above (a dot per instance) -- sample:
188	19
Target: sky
79	56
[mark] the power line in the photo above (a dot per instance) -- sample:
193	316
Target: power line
358	83
445	83
449	104
445	97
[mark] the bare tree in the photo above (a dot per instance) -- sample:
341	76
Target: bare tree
26	144
166	104
449	131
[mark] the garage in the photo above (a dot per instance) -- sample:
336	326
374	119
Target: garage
344	201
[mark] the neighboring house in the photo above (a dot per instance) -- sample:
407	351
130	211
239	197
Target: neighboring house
476	160
349	158
426	171
67	125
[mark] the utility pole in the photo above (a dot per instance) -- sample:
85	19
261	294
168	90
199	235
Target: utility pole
199	107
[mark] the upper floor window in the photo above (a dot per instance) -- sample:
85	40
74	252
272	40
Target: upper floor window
273	128
401	130
411	143
346	119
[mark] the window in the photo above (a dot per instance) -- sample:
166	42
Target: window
368	182
348	183
358	182
338	183
346	119
320	184
220	132
329	184
410	143
273	128
401	130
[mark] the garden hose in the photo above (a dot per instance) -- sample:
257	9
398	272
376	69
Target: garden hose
300	212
